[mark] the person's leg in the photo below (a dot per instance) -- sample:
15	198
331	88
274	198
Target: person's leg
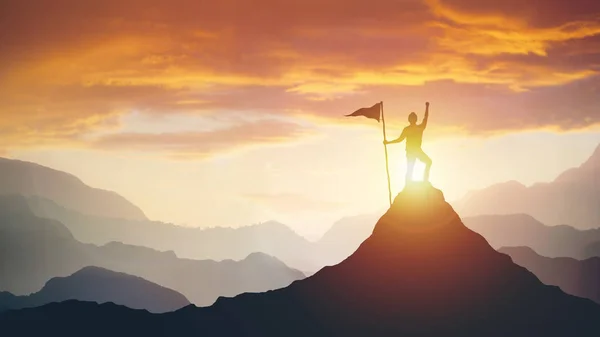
410	166
424	158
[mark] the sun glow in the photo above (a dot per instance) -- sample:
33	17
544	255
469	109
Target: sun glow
418	172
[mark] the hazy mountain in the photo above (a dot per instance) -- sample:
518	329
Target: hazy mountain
344	237
101	285
60	196
280	241
523	230
593	249
216	243
421	273
579	278
33	250
29	179
572	198
201	281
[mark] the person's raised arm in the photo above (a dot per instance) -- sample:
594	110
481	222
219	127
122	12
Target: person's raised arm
397	140
424	123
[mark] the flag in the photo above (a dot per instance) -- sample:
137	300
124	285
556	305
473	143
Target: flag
373	112
376	112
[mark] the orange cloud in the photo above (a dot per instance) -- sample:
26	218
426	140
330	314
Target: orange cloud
495	29
70	68
193	145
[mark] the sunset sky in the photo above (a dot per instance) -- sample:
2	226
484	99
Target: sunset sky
230	112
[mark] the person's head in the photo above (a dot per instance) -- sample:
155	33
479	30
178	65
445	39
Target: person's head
412	118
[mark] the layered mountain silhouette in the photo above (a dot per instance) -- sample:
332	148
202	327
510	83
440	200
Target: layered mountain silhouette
420	273
579	278
523	230
216	243
100	285
201	281
29	179
34	250
572	198
345	236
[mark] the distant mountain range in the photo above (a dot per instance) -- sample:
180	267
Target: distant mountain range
101	286
276	239
523	230
579	278
29	179
421	272
36	249
572	198
217	243
345	236
339	242
61	196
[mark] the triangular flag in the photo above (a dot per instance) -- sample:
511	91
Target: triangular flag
373	112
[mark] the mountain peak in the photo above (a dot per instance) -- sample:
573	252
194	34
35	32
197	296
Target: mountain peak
101	285
421	240
594	159
585	173
416	201
31	179
596	153
419	209
420	272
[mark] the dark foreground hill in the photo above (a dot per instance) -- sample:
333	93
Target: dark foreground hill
101	285
421	273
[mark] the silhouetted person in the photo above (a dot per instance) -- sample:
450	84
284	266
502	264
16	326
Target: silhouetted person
414	137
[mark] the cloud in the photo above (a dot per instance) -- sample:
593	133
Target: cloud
292	203
71	68
513	14
194	145
540	34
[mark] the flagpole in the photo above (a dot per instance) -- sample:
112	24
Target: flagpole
387	169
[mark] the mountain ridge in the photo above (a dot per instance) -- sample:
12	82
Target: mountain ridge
421	272
271	237
30	179
101	285
524	230
576	277
571	198
36	249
